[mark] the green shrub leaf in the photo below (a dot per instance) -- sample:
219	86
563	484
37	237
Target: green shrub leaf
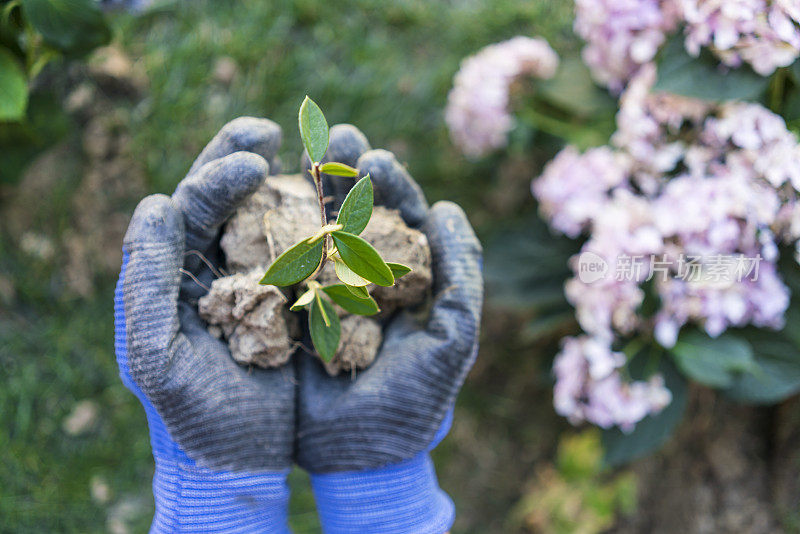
363	259
713	361
346	274
325	338
13	88
338	169
295	264
313	130
72	26
303	301
358	291
398	269
356	209
342	296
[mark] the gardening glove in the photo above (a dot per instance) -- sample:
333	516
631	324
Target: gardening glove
365	441
222	434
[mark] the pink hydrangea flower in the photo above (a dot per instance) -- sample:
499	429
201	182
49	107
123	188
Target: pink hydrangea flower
684	181
477	112
763	33
589	387
621	35
574	187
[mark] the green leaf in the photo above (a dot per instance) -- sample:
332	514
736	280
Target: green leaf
358	291
704	77
342	296
13	88
338	169
652	431
398	269
303	301
325	338
295	264
313	130
777	359
346	274
318	301
73	26
713	361
573	90
356	209
363	259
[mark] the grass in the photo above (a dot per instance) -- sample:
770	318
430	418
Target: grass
384	66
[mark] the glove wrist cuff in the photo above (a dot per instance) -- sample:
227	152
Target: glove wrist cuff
399	498
194	499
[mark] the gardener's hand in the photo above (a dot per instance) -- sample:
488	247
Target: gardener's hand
365	441
222	434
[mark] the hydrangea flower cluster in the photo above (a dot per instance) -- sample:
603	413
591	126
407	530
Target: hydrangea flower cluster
623	35
683	181
477	112
588	386
763	33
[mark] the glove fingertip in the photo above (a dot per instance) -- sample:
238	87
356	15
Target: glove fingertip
394	187
243	134
155	221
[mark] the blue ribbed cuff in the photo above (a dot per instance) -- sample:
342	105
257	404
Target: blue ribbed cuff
403	498
193	499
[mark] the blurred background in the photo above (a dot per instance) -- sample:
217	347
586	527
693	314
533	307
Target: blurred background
105	127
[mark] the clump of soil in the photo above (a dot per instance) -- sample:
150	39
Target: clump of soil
361	338
281	213
253	318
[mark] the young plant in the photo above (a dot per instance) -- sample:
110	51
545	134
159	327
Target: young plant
355	261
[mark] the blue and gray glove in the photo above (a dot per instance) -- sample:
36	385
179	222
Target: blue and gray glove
365	442
222	435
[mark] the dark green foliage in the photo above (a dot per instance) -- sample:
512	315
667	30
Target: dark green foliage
294	265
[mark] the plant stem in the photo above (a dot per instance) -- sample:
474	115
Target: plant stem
320	197
322	215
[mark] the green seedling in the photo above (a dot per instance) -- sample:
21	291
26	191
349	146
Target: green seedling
357	264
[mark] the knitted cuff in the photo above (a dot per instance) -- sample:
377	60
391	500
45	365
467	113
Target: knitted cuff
194	499
397	499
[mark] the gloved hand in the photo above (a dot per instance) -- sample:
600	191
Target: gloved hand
366	441
222	434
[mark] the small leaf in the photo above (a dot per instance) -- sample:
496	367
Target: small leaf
358	291
13	88
338	169
325	230
363	259
346	274
398	269
73	26
294	265
344	298
323	312
356	209
304	300
325	338
313	130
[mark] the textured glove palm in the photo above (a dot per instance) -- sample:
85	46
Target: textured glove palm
365	441
222	434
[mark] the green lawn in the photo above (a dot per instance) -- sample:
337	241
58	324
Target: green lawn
384	66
